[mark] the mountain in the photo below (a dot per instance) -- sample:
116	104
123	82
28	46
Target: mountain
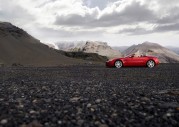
120	48
101	48
147	48
69	49
17	46
85	56
174	49
69	46
53	46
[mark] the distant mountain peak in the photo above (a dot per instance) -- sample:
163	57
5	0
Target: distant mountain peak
147	42
97	43
101	48
150	43
148	48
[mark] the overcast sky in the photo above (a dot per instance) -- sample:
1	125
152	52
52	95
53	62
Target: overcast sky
118	22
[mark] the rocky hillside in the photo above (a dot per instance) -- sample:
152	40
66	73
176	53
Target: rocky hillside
101	48
86	56
17	46
165	55
69	46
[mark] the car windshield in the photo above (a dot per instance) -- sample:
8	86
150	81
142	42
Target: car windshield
129	55
133	55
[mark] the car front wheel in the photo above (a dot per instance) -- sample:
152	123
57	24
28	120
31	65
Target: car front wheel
150	64
118	64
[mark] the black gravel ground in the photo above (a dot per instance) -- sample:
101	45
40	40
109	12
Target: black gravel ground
89	96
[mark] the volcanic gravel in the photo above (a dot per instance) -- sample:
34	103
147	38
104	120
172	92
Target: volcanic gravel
89	96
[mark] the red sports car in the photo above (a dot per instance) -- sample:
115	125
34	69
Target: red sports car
132	60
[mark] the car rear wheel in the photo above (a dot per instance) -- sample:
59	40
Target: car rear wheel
150	64
118	64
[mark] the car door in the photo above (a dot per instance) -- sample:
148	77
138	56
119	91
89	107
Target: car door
142	61
131	61
138	61
135	61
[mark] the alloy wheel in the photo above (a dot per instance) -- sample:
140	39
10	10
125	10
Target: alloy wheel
150	64
118	64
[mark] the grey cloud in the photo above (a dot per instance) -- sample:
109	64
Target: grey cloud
101	4
142	31
45	3
165	28
173	16
77	20
135	31
50	33
53	33
15	13
74	20
133	13
168	23
167	2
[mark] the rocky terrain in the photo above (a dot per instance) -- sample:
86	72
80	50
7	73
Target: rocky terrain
88	57
147	48
89	96
69	46
17	46
100	48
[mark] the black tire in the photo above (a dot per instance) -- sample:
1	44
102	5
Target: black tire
150	64
118	64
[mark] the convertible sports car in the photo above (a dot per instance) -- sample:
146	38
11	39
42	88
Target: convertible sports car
132	60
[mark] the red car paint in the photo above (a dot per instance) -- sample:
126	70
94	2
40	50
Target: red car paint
131	61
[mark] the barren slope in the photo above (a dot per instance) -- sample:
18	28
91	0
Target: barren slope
17	46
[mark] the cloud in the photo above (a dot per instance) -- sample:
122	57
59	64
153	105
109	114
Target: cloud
10	11
49	34
132	13
87	14
171	16
57	19
135	31
120	13
87	19
166	28
101	4
157	29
